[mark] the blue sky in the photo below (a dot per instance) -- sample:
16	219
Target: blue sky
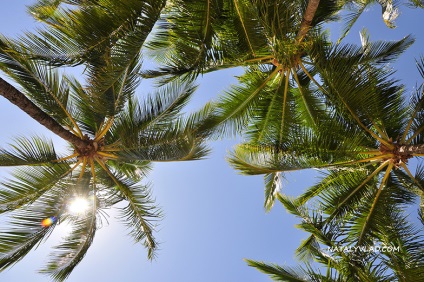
214	217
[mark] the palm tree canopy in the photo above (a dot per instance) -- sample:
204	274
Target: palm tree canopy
120	134
394	255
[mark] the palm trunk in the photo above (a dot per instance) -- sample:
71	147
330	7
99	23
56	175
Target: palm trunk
407	150
308	16
21	101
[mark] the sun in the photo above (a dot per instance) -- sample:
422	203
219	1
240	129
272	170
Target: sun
78	205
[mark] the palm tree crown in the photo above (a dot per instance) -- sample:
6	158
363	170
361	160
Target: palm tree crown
112	136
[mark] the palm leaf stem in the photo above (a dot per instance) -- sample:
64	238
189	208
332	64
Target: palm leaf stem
72	131
377	152
73	168
74	155
286	87
359	187
418	155
114	145
102	41
377	196
268	117
104	130
244	27
109	156
382	131
105	168
405	167
254	93
121	90
266	169
76	130
108	149
260	59
189	155
408	126
84	164
414	135
381	140
303	97
311	77
372	159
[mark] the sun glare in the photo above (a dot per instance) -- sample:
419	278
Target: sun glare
78	206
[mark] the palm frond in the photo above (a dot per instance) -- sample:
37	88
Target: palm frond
308	248
82	32
28	151
140	213
164	147
413	131
138	216
88	119
217	35
135	170
29	184
238	104
26	230
276	113
16	244
279	273
74	247
155	113
109	90
40	83
403	241
381	107
45	9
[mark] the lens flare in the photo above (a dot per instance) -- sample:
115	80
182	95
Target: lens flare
78	206
48	221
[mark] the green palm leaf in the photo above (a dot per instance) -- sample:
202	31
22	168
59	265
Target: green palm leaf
29	184
139	213
278	273
33	151
73	249
40	82
26	230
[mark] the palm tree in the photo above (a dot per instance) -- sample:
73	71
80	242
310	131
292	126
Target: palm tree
280	101
280	46
112	137
277	41
105	38
364	146
272	38
194	37
396	253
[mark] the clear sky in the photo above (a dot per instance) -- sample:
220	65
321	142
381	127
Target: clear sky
213	217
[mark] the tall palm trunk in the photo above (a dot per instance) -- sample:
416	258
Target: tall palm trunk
308	16
20	100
